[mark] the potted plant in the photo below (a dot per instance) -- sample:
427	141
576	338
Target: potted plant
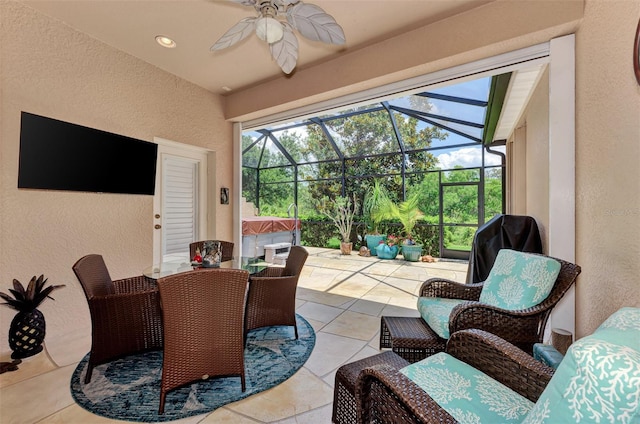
389	248
341	212
374	199
408	213
27	329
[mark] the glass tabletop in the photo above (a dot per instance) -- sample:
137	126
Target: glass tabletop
176	266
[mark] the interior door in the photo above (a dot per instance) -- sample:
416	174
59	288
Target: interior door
180	202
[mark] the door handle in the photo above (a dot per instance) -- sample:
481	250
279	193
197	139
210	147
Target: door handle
157	226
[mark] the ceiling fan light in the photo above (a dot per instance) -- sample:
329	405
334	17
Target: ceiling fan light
269	29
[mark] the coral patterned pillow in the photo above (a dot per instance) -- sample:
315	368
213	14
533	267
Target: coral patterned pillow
519	280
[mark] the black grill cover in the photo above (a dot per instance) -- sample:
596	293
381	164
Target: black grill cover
501	232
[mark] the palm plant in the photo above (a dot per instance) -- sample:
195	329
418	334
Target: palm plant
407	212
375	199
27	329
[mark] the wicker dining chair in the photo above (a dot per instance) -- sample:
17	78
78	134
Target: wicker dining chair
385	395
227	248
272	293
125	313
203	313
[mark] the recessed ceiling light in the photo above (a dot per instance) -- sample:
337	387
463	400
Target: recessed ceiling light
225	88
165	41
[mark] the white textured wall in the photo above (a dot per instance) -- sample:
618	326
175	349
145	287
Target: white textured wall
537	157
52	70
607	162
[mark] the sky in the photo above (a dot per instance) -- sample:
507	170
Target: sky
466	156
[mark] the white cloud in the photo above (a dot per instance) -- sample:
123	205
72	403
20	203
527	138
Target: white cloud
466	157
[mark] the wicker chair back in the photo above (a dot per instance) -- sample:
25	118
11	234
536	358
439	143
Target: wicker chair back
295	261
94	276
203	313
227	248
272	293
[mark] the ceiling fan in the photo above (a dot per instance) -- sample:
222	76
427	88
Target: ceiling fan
308	19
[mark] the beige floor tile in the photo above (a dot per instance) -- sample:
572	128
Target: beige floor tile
29	367
411	272
355	287
331	351
226	416
328	299
317	416
39	397
69	348
386	290
382	267
399	311
443	273
317	325
409	286
369	307
354	325
301	393
75	414
319	312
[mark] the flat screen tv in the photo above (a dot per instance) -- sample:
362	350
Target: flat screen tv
57	155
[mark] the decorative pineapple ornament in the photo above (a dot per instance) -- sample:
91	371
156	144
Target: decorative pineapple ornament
27	329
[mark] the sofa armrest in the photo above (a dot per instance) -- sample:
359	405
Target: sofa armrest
385	395
501	361
441	287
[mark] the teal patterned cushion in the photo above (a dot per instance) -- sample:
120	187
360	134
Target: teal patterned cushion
519	280
623	328
469	395
599	378
435	312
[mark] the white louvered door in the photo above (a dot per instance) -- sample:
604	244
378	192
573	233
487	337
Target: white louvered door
180	200
179	204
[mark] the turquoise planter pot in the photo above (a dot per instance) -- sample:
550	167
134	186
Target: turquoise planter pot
373	240
412	253
387	252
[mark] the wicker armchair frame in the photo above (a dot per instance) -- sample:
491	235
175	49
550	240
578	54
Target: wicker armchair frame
384	395
125	313
227	248
272	293
523	327
203	314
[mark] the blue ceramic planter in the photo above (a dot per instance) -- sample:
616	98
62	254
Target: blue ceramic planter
412	253
373	240
387	252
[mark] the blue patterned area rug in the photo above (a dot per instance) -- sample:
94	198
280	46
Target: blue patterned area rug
129	388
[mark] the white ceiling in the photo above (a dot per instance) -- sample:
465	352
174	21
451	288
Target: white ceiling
132	25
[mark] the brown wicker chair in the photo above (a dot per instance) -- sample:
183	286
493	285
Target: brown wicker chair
227	248
523	327
203	313
125	314
384	395
272	293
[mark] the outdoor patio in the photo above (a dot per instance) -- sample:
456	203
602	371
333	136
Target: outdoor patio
342	297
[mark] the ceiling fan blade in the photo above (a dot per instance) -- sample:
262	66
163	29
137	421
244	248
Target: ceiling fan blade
285	51
245	2
236	33
315	24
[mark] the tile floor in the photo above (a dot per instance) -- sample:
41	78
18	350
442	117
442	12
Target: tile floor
343	297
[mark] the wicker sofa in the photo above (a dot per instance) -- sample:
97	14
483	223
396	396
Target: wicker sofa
597	381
